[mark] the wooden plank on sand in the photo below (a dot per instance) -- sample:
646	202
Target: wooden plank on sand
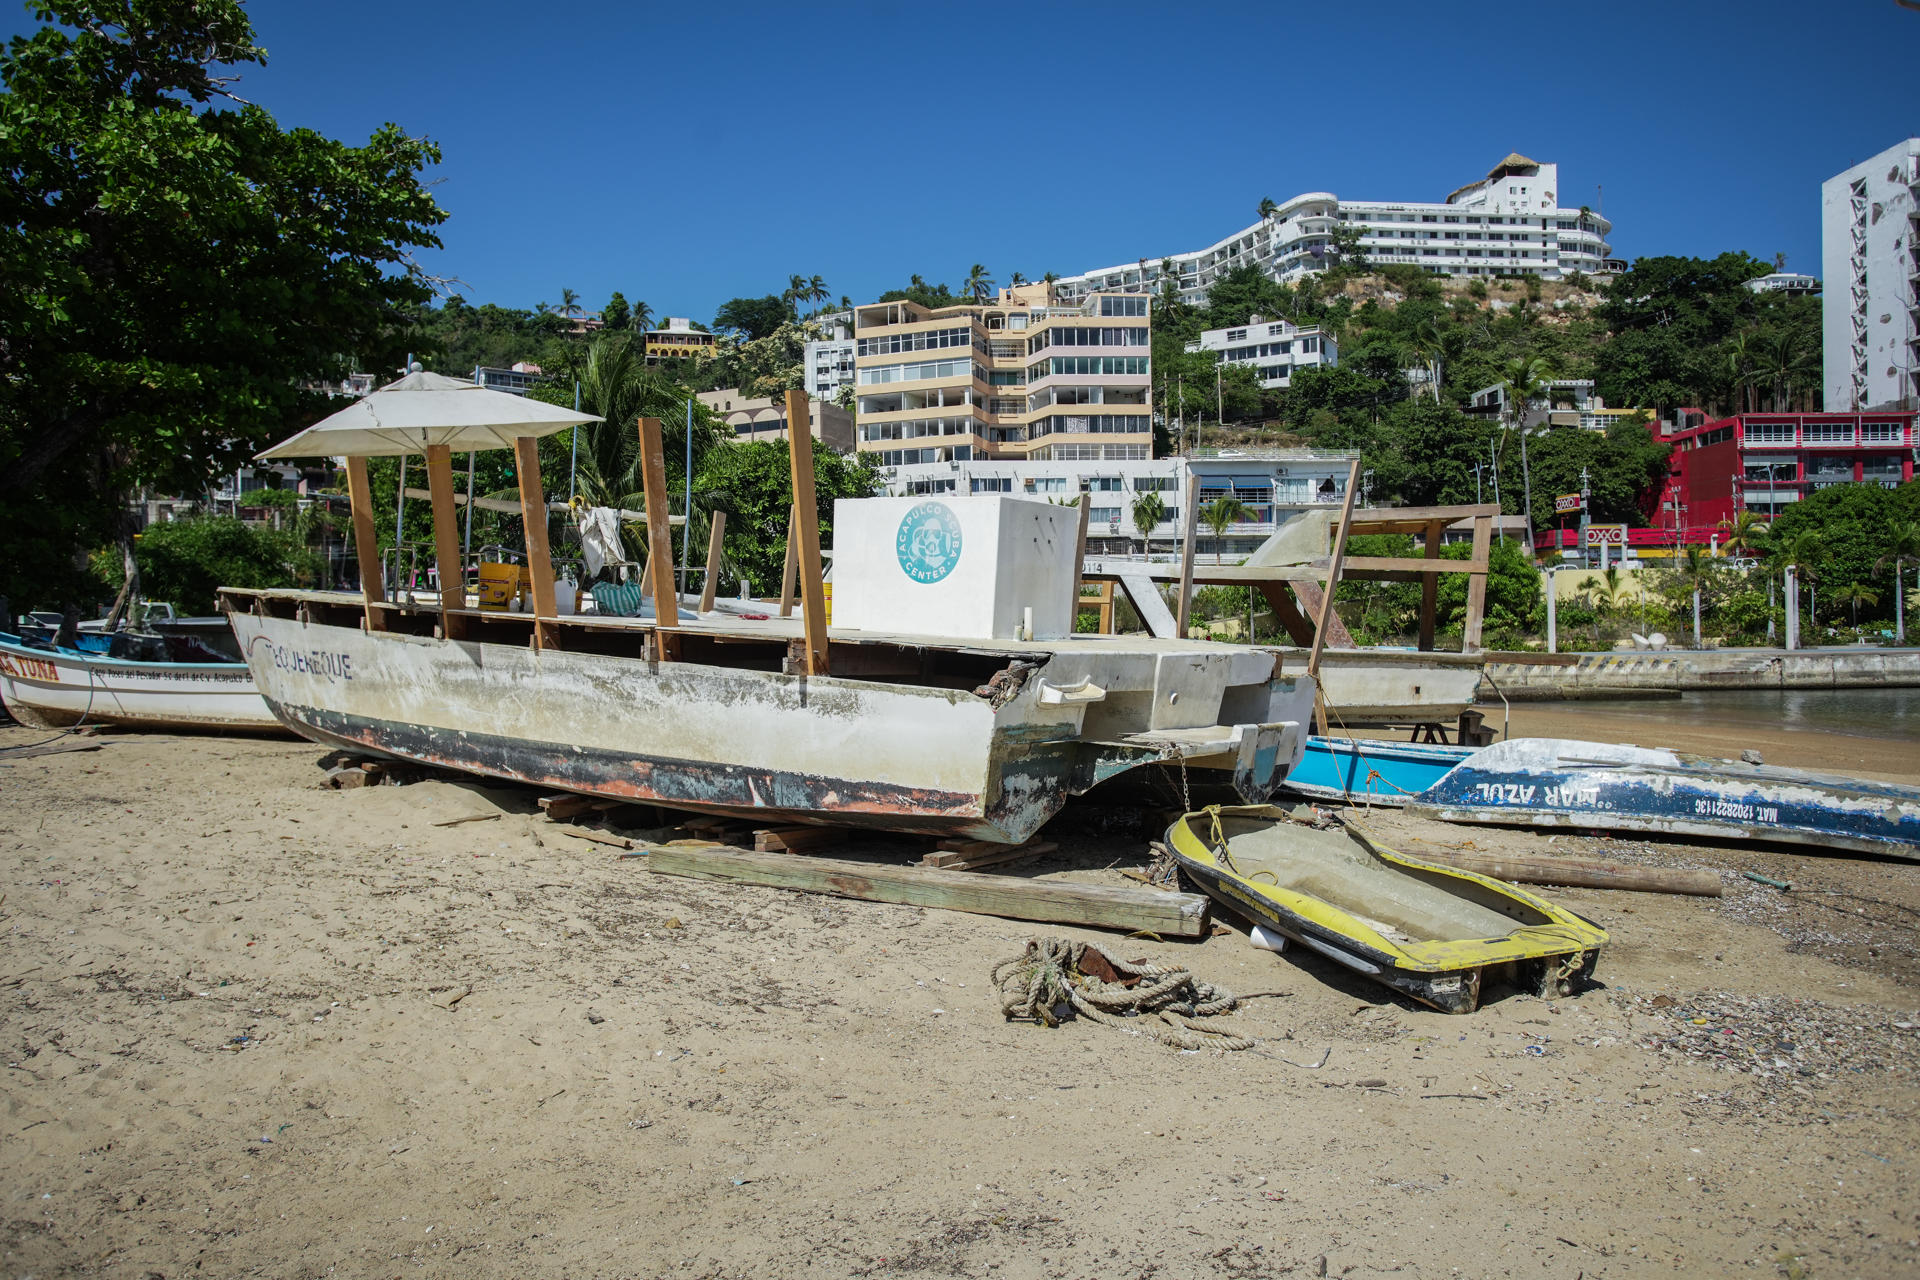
992	855
1171	915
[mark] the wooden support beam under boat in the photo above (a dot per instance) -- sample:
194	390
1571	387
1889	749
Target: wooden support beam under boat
813	603
1477	583
666	597
1333	585
366	542
1099	906
716	537
446	542
1185	603
1299	629
533	514
1430	586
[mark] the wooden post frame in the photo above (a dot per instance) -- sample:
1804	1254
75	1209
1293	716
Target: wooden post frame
1185	602
1327	614
716	536
1477	584
791	569
533	513
666	597
813	603
1079	563
1430	586
366	542
446	542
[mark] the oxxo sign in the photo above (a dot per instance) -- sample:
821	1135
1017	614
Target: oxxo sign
1566	502
1606	535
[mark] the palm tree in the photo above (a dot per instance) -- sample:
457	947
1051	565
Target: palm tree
1740	361
543	308
1050	277
1855	594
978	282
796	290
569	303
1744	533
1524	380
1903	545
1799	553
817	289
1695	569
1148	512
1219	514
642	317
1016	280
1787	362
1267	208
1609	590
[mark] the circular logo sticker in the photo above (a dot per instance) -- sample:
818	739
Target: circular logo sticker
928	543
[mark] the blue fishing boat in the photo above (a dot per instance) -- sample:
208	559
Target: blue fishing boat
1555	782
1371	771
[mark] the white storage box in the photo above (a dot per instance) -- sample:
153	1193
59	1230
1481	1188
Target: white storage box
969	568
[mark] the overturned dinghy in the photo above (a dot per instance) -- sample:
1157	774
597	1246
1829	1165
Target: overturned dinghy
1439	935
1555	782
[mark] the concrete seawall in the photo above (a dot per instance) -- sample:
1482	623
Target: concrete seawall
1540	677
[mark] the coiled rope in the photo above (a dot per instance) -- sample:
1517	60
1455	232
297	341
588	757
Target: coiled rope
1052	973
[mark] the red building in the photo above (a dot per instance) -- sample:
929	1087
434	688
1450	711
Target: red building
1762	462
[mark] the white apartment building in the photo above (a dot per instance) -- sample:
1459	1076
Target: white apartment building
1274	348
1274	484
1870	249
829	358
1026	376
1789	282
1511	222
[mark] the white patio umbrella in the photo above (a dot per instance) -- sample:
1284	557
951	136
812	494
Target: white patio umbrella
424	409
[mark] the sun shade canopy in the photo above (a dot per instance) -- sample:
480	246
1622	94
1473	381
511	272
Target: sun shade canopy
424	409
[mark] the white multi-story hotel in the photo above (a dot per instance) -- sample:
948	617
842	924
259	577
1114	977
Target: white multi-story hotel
1870	254
1511	222
1274	348
1272	484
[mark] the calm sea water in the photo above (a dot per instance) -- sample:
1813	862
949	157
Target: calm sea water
1860	713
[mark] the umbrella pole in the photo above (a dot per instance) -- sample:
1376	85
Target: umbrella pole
366	545
466	550
533	513
453	578
573	464
686	508
399	525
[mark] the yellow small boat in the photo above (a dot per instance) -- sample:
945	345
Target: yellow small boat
1437	934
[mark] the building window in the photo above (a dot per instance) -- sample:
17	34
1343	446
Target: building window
892	343
992	484
1123	306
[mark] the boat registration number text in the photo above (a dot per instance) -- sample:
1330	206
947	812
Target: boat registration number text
1733	809
1526	793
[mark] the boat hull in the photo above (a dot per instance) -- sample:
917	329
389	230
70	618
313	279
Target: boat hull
744	742
1551	782
1551	950
53	688
1371	771
1376	687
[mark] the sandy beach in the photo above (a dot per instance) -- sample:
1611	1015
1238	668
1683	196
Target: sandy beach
253	1027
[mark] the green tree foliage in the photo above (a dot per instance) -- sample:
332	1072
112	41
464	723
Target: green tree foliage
617	315
185	562
932	296
753	317
1688	332
1845	534
1622	465
178	268
753	484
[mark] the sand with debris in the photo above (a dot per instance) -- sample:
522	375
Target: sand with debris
255	1027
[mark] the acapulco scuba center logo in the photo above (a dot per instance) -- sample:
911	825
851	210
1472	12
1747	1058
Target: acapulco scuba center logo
928	544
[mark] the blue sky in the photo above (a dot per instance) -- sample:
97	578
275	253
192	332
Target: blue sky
685	154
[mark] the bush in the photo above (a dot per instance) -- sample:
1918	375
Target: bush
186	561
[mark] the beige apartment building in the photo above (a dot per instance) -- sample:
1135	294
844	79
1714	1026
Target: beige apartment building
1026	376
